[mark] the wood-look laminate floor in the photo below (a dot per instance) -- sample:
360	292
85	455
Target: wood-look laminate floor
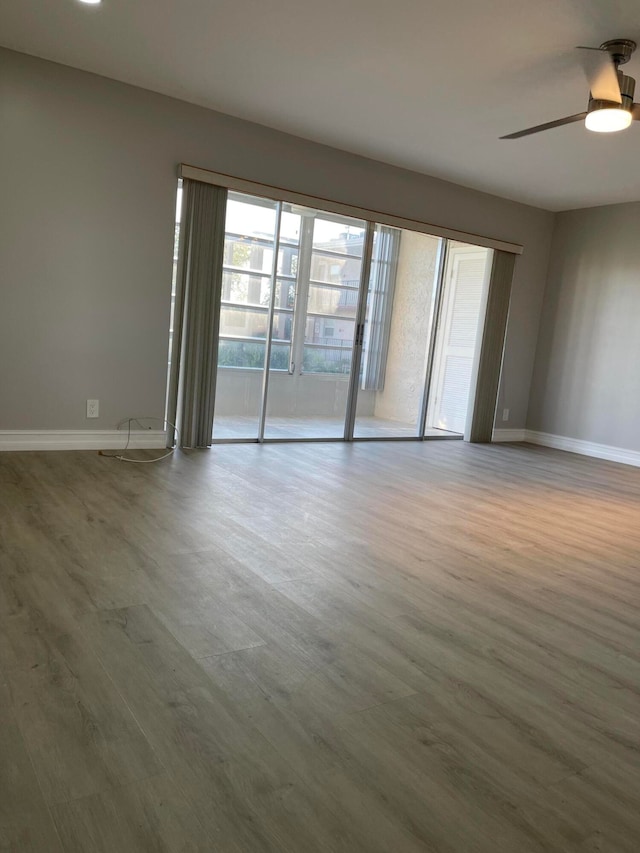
375	648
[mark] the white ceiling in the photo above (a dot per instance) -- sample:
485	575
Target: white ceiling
425	85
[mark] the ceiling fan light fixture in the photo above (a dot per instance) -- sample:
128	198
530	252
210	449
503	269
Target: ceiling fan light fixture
608	118
611	107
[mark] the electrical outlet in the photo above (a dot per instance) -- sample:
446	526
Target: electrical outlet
93	408
505	414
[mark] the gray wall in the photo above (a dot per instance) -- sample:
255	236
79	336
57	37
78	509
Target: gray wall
88	177
587	375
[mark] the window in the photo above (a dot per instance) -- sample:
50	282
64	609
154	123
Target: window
318	267
250	244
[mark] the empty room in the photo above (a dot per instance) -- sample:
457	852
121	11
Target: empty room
319	427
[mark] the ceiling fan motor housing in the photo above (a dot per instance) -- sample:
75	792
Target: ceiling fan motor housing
627	90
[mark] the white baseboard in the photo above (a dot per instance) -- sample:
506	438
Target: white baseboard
113	439
83	439
509	435
571	445
585	448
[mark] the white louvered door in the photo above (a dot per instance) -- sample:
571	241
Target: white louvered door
463	298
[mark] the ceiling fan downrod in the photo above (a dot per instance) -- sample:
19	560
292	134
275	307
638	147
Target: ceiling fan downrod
620	50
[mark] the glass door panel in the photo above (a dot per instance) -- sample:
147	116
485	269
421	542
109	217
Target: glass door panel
244	316
292	294
309	399
465	283
397	332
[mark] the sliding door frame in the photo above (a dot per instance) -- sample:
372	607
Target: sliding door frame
371	219
358	338
441	266
266	369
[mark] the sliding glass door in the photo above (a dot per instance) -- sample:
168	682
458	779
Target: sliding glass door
309	399
399	317
333	328
247	280
458	337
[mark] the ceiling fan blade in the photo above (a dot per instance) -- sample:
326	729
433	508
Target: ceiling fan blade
635	112
550	124
602	74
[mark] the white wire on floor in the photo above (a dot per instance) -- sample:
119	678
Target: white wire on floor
128	422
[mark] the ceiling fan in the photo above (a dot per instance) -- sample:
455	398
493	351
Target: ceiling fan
611	106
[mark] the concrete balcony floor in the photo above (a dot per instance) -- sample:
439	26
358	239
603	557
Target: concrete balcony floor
237	427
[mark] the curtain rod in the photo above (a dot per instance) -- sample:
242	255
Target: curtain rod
195	173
